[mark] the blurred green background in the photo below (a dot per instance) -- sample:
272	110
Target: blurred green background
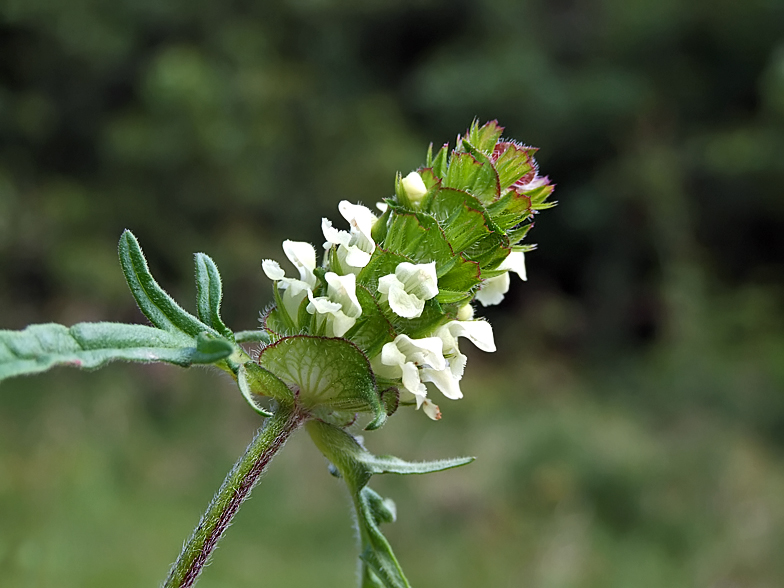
630	430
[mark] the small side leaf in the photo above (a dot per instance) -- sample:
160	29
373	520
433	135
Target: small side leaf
209	294
91	345
154	302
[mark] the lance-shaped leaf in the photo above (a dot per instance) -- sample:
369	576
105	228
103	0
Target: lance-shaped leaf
357	464
154	302
90	345
331	377
381	567
209	294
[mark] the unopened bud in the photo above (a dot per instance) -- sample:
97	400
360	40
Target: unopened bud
414	186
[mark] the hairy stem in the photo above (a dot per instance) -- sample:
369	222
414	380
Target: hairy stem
235	489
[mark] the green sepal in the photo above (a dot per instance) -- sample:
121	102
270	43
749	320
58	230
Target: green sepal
256	336
209	294
390	397
91	345
372	329
332	378
401	194
452	297
439	163
255	381
519	233
539	197
379	230
282	322
153	301
422	326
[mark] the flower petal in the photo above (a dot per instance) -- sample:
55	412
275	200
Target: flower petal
343	290
333	235
444	380
272	269
418	279
431	409
480	333
303	256
493	290
515	262
414	186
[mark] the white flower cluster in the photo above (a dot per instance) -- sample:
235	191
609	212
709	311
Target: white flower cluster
436	359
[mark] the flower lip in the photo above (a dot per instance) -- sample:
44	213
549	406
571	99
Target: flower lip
409	287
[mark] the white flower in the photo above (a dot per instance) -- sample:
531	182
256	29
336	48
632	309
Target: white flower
294	291
493	289
404	357
480	333
431	409
414	186
340	306
303	256
409	287
354	247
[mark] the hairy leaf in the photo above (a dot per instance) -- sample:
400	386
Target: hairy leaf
154	302
90	345
209	294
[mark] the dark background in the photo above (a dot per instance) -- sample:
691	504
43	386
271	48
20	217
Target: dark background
630	430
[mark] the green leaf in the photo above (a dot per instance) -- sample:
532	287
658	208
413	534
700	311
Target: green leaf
356	464
91	345
332	377
154	302
377	553
209	294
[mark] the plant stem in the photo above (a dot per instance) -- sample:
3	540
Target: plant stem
235	489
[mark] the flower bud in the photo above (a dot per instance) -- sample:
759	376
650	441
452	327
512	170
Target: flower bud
414	186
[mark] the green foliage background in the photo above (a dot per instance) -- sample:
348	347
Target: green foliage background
630	431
